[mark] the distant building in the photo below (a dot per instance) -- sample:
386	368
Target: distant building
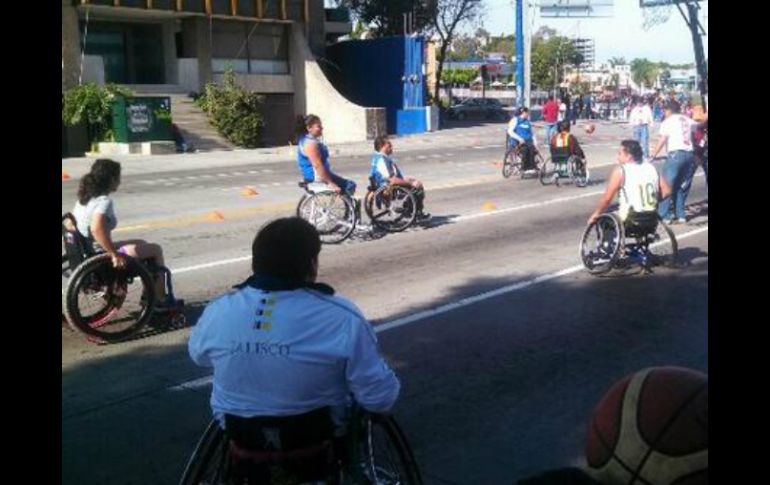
587	48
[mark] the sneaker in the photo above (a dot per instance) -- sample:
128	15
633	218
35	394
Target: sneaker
681	220
669	221
423	216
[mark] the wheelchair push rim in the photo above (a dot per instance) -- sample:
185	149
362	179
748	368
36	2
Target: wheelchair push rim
511	163
109	304
392	208
332	214
601	243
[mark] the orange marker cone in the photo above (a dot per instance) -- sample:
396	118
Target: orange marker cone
489	206
65	176
249	192
215	216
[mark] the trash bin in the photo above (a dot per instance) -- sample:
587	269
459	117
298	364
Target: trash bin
141	119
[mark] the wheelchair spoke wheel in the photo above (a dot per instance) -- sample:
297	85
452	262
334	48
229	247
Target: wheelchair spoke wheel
600	244
511	163
208	463
332	214
547	173
109	304
387	458
577	172
662	248
392	208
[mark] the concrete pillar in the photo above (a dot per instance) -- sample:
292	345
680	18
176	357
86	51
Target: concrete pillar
70	45
316	27
196	43
169	52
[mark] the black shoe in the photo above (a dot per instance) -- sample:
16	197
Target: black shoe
423	216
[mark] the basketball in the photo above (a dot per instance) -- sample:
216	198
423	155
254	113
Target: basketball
590	127
651	427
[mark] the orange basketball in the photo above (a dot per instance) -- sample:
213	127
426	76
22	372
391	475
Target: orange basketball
590	127
651	427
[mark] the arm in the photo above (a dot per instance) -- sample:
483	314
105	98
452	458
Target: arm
663	141
314	154
511	130
102	236
613	186
373	384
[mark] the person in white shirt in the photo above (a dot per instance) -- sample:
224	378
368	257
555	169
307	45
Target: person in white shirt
641	120
635	181
285	347
562	110
676	136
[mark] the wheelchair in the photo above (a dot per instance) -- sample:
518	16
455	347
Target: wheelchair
105	304
334	215
643	240
512	160
392	208
564	166
373	451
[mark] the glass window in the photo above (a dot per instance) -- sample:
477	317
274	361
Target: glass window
247	8
220	7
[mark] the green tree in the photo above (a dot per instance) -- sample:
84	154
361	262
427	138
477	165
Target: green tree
550	54
617	61
644	72
387	16
463	47
448	15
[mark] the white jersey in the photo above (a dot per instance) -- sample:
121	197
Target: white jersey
640	188
678	129
279	353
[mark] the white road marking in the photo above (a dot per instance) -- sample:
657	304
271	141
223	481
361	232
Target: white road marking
463	302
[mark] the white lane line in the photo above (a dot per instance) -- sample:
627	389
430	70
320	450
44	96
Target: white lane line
253	172
276	184
432	312
223	175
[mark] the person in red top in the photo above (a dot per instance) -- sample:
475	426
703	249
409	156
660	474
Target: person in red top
550	115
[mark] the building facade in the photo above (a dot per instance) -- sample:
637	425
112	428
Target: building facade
178	46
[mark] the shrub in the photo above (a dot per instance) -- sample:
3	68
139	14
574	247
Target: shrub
90	104
233	111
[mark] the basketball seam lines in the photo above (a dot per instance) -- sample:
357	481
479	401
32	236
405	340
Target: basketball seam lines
670	422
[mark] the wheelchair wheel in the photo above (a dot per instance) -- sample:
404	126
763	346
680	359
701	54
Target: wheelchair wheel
601	243
383	455
579	177
109	304
392	208
332	214
511	163
662	248
547	172
208	463
537	159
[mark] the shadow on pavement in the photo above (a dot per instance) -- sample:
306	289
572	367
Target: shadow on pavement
493	391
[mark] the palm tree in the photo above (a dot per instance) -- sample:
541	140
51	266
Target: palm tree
617	61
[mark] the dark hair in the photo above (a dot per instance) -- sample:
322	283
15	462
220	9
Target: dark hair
98	181
286	248
633	148
380	142
523	110
674	106
311	120
564	125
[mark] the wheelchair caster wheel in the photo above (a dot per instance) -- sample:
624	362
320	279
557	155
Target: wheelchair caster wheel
179	320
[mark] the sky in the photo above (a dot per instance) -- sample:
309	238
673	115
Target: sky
619	36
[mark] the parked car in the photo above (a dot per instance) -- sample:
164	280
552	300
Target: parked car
478	108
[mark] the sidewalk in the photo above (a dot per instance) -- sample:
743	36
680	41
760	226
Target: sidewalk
74	168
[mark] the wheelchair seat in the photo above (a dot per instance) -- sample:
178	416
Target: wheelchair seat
639	224
314	187
303	444
77	247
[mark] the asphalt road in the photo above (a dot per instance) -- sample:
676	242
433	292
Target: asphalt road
503	344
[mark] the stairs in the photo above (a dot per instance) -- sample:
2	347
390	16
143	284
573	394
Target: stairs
191	120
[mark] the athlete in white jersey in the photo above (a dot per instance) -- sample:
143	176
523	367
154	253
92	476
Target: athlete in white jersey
635	181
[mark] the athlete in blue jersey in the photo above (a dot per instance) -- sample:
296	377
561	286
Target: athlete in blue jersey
313	158
521	131
385	171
